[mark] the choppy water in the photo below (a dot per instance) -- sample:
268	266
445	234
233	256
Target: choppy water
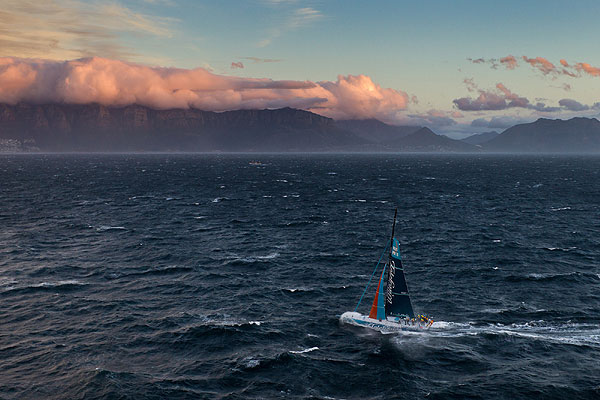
180	276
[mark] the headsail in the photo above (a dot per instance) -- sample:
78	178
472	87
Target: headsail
378	306
397	300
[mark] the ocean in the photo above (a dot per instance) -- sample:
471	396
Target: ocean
215	276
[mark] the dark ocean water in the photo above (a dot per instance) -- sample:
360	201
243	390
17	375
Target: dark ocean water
202	276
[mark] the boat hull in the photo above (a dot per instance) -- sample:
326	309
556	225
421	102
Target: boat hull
385	325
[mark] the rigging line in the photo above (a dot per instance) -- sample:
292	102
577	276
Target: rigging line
372	275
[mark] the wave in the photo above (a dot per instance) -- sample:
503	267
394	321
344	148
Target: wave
171	269
62	285
560	208
104	228
236	260
220	199
304	351
548	277
560	248
325	288
256	363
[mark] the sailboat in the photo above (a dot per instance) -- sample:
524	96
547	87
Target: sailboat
392	309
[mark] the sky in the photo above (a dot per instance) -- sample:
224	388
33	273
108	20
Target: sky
458	67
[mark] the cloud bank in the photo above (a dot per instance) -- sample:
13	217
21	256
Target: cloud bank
502	98
543	65
117	83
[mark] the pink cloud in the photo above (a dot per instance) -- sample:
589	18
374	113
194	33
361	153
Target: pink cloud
235	65
509	61
117	83
588	69
502	99
545	66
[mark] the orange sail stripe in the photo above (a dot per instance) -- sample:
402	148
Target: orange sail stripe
373	313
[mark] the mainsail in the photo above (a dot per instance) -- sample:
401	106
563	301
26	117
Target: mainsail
397	300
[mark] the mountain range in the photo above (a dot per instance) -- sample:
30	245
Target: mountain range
93	127
480	138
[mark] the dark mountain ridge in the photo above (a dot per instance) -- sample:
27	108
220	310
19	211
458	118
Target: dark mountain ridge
376	131
428	141
93	127
576	135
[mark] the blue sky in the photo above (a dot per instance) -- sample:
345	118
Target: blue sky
421	49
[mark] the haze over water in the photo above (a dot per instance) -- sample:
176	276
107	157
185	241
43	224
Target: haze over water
202	276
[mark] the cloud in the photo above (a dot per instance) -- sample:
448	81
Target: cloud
65	29
587	68
485	101
509	61
488	100
498	122
572	105
298	18
470	84
477	60
236	65
501	99
542	64
435	119
257	60
118	83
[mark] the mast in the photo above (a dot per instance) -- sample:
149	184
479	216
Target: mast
387	276
393	228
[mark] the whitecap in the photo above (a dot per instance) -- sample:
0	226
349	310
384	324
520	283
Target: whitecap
67	282
268	256
304	351
103	228
252	363
560	248
298	289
